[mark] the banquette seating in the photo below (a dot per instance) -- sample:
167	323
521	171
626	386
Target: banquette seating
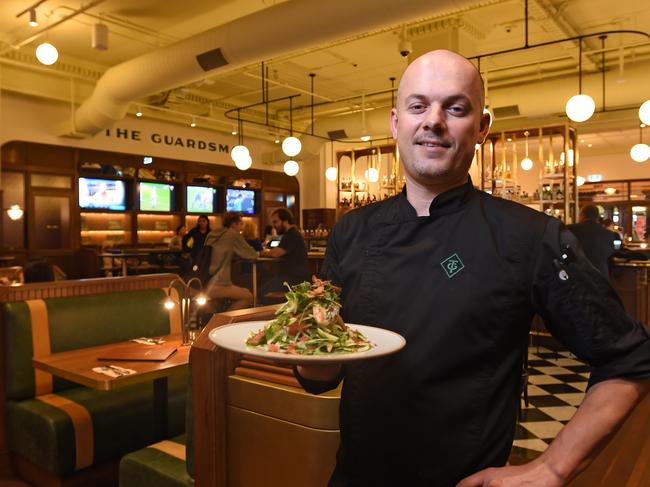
57	432
250	425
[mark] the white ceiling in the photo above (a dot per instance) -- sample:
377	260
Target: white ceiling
535	80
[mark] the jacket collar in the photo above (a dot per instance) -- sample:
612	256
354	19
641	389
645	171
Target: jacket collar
445	203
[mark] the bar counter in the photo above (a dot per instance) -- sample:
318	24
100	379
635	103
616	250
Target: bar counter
630	279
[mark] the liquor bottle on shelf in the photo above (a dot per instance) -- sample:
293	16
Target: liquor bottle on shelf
536	195
558	193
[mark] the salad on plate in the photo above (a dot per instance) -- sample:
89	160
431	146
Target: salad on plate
309	323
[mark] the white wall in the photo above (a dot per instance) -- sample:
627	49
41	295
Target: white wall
29	119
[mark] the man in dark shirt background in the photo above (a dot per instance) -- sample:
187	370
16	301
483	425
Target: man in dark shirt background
596	241
460	274
294	267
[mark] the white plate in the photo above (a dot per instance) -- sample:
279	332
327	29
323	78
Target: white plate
233	337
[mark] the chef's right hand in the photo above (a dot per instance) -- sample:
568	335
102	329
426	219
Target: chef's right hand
320	372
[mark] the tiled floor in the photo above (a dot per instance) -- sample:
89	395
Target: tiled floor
556	385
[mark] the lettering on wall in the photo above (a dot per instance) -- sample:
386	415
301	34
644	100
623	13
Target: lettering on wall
169	140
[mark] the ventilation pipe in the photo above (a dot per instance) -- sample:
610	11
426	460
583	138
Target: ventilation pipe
281	29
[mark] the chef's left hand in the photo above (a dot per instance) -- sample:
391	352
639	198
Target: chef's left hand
533	474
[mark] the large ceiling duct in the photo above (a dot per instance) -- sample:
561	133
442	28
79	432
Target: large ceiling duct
287	27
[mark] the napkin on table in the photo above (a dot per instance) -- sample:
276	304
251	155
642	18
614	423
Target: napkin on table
113	370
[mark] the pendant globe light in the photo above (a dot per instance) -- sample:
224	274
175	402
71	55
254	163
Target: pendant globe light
15	212
580	107
640	152
240	154
526	162
47	54
291	145
331	173
291	168
644	112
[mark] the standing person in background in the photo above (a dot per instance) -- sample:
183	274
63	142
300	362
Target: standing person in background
294	267
596	241
460	274
227	242
193	242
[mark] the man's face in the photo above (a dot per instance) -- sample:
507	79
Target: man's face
438	119
279	225
203	223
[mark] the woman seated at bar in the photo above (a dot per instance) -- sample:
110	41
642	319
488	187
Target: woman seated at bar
227	242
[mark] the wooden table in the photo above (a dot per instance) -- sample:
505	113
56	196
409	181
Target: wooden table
124	256
77	365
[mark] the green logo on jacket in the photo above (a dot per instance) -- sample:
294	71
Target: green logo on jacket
452	265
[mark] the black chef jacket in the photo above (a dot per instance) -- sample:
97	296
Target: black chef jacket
461	285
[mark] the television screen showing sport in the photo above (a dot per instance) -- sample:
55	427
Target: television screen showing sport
242	200
200	199
155	197
105	194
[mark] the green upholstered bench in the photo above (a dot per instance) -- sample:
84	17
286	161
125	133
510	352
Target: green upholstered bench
59	426
159	465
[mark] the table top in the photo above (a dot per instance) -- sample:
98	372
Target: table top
77	365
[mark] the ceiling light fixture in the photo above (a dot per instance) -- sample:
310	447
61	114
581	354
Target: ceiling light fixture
526	162
138	112
291	168
291	146
193	122
640	152
331	173
365	136
580	107
32	18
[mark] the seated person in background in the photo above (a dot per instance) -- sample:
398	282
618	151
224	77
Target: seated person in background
43	271
249	232
294	267
226	242
176	242
596	241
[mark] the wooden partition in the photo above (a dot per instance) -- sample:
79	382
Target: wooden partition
210	368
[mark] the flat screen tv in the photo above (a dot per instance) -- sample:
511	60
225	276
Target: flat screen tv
155	197
242	200
104	194
200	199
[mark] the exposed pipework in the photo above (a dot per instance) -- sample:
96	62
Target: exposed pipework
284	28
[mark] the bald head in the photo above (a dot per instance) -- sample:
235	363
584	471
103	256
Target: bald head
444	60
438	120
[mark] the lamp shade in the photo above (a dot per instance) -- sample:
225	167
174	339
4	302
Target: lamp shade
373	175
580	107
580	181
15	212
243	162
331	173
291	146
46	53
238	152
644	112
640	152
291	168
526	164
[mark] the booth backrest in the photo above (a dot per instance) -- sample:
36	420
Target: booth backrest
39	327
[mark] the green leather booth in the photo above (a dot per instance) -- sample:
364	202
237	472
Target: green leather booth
117	422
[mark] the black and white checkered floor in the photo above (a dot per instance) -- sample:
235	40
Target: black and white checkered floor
556	386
